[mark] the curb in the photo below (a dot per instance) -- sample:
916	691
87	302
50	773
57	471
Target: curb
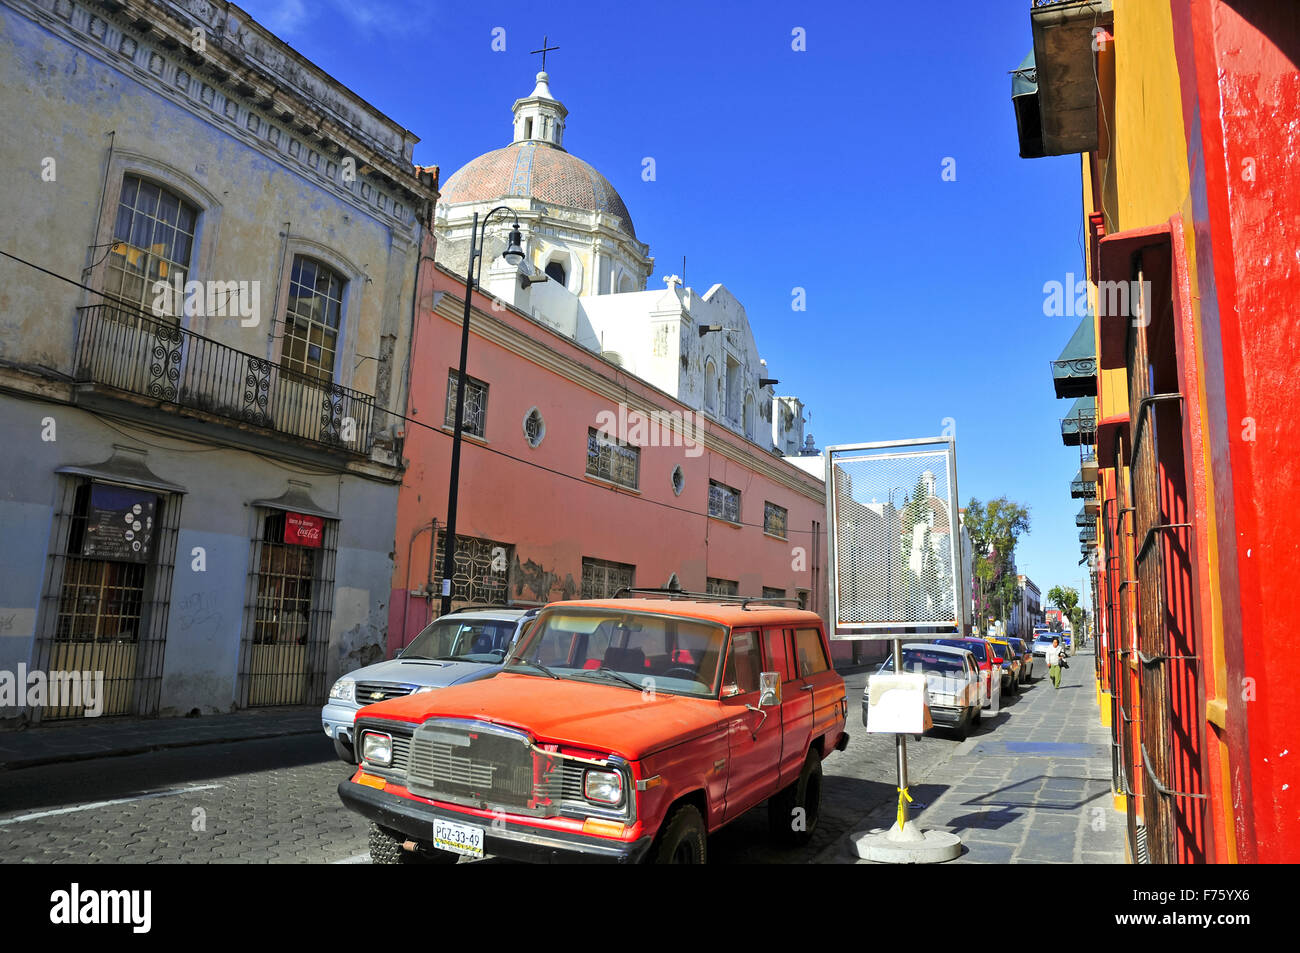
44	760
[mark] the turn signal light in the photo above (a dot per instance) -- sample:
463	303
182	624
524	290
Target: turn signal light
594	825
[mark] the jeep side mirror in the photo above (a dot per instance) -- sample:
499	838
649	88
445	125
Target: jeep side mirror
769	689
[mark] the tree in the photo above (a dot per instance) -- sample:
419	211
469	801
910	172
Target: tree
1066	598
994	527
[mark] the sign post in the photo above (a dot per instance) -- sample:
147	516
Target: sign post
899	568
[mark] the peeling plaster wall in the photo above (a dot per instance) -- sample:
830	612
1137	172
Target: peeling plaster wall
207	610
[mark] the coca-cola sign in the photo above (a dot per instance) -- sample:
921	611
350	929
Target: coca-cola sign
303	530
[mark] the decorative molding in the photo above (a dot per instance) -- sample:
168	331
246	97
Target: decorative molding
159	60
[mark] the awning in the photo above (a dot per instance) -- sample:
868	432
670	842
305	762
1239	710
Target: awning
1074	373
1024	99
126	467
1080	424
1082	489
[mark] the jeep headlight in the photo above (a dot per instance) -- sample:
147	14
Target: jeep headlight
603	787
344	690
377	748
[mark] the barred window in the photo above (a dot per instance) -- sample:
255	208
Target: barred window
612	460
724	502
153	241
602	578
774	519
474	420
284	587
722	587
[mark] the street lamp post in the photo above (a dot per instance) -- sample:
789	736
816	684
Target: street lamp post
514	254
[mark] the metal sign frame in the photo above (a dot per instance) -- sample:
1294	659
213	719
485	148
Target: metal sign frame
884	629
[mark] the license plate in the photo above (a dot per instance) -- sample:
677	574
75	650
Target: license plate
458	838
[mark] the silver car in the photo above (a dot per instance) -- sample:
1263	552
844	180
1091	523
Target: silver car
463	646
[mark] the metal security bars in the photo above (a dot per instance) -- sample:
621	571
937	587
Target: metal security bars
104	618
896	558
480	574
290	598
126	350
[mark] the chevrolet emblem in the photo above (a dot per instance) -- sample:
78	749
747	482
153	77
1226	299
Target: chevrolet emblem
376	694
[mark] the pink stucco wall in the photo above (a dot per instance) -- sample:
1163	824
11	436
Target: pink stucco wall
541	502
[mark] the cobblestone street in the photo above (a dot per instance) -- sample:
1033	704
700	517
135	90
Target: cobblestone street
1029	785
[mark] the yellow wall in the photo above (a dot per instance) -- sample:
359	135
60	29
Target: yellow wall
1150	154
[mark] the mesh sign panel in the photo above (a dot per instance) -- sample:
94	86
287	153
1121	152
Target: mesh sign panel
895	547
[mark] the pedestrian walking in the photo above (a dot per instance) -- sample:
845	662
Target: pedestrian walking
1054	662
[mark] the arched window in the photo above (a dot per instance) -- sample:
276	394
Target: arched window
153	241
555	271
711	387
749	416
312	318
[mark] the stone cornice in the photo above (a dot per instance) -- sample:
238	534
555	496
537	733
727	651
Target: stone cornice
450	306
225	84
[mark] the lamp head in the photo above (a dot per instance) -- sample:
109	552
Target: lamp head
514	252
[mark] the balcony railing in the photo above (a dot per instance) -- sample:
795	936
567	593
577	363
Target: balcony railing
1083	489
126	350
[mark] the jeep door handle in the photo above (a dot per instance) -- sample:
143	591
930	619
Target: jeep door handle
805	688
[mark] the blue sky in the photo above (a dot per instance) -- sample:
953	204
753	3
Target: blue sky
778	169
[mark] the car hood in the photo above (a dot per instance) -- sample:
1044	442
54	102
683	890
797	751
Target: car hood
437	674
585	714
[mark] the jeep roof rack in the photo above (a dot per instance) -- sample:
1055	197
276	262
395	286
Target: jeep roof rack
745	601
487	607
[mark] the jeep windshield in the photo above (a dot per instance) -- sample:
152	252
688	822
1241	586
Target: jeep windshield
463	640
633	650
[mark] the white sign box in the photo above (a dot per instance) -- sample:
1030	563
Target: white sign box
898	703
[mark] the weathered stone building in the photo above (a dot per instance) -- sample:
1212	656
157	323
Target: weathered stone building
199	353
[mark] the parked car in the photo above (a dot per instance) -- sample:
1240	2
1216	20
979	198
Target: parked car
1026	658
462	646
990	671
1042	642
1010	662
953	681
619	730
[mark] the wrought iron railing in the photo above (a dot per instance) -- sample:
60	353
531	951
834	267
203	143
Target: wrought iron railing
124	349
1083	489
1088	534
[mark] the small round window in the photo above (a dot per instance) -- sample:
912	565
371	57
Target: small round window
534	427
679	480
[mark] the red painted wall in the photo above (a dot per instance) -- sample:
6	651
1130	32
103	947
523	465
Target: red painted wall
1241	92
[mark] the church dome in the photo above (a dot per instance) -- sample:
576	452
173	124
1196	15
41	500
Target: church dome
533	169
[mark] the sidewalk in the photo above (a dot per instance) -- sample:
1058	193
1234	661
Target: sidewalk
1031	785
97	738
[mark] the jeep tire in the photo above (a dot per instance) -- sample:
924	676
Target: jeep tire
806	794
386	848
683	839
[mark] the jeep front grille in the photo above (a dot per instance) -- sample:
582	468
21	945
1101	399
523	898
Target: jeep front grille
489	767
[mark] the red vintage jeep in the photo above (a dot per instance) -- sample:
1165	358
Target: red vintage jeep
619	730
